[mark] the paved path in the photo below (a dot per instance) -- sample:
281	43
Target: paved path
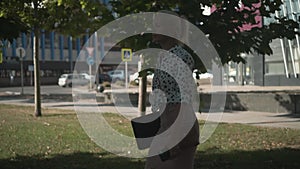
245	117
283	120
54	89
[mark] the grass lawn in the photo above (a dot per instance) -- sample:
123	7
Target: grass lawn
57	140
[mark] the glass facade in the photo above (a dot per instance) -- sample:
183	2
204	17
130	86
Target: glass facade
280	68
284	64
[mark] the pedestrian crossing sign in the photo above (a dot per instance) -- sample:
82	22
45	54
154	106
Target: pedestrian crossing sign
126	54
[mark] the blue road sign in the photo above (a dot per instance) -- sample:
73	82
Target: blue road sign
90	61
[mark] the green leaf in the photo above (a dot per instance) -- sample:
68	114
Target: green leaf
59	2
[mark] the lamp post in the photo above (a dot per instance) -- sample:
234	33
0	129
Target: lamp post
242	70
21	53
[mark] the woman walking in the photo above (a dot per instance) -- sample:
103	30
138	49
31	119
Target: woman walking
176	142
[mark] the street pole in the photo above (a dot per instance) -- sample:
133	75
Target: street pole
90	61
31	78
20	52
90	72
22	73
126	75
96	59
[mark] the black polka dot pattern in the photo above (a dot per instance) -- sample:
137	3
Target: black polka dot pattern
165	76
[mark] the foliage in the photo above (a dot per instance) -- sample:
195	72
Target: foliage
65	16
225	25
10	28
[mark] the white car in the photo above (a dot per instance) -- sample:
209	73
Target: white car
204	78
88	77
72	79
117	75
135	77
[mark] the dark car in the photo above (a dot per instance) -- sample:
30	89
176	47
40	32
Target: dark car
104	78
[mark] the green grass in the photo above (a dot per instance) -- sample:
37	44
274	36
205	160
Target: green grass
57	140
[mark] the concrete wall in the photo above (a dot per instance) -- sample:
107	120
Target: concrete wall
275	102
281	80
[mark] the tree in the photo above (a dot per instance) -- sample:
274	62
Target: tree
224	27
10	28
65	16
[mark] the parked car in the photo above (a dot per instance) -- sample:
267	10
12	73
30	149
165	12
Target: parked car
104	81
88	77
104	78
135	77
204	78
117	75
72	79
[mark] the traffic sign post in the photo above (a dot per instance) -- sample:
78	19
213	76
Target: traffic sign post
126	56
90	61
20	52
30	69
90	50
1	56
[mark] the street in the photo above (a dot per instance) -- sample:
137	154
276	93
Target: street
29	90
55	89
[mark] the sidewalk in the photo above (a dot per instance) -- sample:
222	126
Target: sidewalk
283	120
266	119
248	88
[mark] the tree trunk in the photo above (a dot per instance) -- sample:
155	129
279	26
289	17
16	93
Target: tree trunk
36	62
142	95
37	88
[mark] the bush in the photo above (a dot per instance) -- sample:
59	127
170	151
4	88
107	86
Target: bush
106	84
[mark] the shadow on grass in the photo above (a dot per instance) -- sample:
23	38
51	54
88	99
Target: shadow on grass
58	114
286	158
71	161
